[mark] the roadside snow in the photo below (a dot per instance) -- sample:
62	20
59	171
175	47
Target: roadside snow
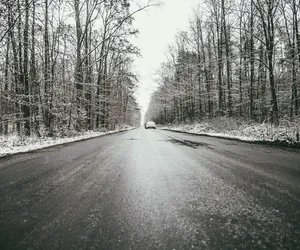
228	128
13	144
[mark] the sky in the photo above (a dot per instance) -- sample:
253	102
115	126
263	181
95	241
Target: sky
157	29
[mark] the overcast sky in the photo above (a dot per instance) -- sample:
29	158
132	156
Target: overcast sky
158	27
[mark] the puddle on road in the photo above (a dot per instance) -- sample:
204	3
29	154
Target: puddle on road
187	143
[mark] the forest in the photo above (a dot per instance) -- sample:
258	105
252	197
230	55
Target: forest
66	65
237	59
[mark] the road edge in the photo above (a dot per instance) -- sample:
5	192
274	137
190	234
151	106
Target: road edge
278	144
64	143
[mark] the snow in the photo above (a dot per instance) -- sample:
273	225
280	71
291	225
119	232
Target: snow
234	129
12	144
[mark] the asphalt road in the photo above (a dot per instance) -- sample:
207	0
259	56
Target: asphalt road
151	189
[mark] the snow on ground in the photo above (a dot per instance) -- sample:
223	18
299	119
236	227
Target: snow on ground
287	132
13	144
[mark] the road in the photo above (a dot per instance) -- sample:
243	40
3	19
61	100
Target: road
151	189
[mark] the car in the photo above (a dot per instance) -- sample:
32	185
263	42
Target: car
150	124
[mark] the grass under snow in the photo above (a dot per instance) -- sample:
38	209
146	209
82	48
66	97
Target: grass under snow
12	144
286	132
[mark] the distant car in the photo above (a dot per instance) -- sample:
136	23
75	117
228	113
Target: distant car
150	124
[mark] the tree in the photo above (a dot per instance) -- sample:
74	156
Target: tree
63	72
267	10
232	65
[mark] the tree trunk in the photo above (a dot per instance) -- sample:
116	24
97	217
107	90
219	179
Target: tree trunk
228	59
47	86
26	102
251	61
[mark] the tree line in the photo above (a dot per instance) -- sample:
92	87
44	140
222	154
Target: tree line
65	65
237	59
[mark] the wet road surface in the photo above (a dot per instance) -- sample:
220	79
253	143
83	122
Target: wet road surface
151	189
